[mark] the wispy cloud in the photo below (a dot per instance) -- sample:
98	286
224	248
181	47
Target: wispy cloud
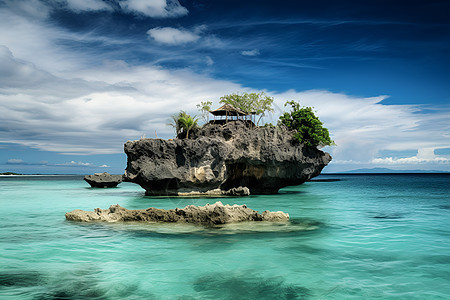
154	8
76	163
146	8
87	5
253	52
209	61
172	36
73	163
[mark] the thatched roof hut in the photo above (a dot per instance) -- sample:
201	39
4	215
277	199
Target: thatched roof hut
228	112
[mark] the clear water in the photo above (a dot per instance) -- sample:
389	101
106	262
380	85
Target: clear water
363	236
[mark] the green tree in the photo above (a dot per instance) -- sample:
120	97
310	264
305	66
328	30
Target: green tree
183	124
308	128
205	107
257	103
188	123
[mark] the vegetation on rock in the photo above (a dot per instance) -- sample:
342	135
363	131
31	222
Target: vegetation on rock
183	124
307	126
257	103
205	107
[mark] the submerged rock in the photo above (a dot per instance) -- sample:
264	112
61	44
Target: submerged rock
223	157
103	180
210	214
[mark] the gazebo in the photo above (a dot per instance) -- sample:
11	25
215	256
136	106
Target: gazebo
228	112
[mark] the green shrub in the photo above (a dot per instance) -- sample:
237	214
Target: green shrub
307	126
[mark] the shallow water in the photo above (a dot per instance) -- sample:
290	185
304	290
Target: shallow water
353	237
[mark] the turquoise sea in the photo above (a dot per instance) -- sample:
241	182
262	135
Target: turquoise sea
350	237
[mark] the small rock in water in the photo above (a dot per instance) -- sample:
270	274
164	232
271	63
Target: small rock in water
237	191
103	180
210	214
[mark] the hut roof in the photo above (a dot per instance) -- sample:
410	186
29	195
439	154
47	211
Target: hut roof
228	110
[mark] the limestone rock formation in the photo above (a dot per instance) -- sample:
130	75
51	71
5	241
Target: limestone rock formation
210	214
103	180
222	157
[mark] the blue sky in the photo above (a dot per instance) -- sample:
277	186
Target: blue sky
78	78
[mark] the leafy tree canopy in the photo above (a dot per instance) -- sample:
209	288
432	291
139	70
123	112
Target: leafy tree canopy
308	128
205	107
257	103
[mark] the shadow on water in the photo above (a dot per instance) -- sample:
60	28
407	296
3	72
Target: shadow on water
444	206
386	215
247	286
324	180
247	230
22	278
290	192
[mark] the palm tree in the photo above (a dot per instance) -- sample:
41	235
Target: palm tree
183	123
187	123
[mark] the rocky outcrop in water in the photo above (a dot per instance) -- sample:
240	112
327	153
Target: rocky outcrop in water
210	214
223	157
103	180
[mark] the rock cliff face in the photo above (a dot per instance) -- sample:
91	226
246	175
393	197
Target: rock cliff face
222	157
214	214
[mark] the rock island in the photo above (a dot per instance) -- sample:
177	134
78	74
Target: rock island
221	158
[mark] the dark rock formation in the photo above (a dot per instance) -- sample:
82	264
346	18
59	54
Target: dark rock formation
210	214
103	180
223	157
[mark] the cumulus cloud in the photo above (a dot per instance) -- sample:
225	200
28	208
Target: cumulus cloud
254	52
172	36
154	8
104	166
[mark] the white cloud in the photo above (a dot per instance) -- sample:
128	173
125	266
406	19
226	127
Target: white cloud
76	164
254	52
172	36
424	156
13	161
104	166
154	8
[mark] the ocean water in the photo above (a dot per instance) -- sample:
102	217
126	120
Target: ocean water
350	237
